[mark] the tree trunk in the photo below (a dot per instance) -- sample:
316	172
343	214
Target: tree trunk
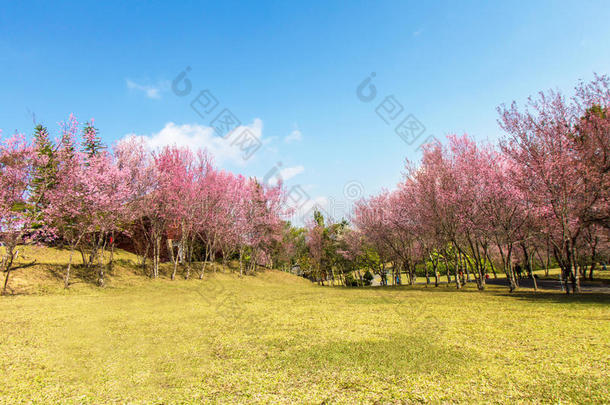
510	273
67	276
491	263
479	276
187	273
563	281
591	270
241	265
111	263
8	272
447	269
413	274
202	269
101	280
532	273
457	274
158	257
548	258
574	270
170	249
510	277
83	257
5	282
145	256
175	268
8	263
465	262
153	271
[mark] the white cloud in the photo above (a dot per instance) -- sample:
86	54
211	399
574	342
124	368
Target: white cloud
150	91
275	174
203	137
294	136
303	212
290	172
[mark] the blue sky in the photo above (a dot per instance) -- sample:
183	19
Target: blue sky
289	72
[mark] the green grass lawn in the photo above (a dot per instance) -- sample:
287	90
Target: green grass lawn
275	338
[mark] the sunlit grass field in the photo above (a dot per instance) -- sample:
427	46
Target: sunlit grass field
276	338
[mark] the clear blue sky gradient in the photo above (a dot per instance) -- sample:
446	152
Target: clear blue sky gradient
296	66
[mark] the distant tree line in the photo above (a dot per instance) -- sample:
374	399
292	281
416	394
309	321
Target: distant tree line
538	199
76	193
468	210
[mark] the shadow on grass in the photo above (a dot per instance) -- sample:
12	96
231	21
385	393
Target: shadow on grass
442	288
396	355
559	297
79	273
136	268
550	295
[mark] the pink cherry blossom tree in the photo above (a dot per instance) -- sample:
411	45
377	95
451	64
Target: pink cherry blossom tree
140	178
15	174
559	150
176	197
88	198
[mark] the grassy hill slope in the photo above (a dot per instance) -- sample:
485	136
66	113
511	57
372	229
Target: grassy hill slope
277	338
46	276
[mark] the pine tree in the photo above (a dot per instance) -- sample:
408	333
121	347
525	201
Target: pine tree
92	142
44	174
